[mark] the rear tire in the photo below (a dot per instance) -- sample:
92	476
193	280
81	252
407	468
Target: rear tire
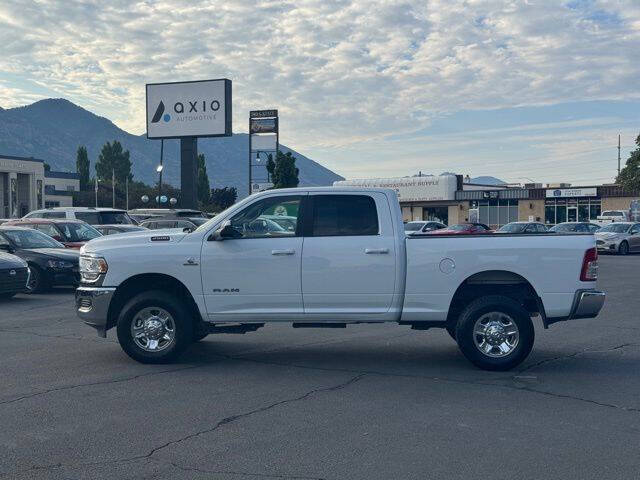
154	327
623	249
495	333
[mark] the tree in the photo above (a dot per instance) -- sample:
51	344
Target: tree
47	167
82	167
283	171
204	188
629	177
223	197
113	158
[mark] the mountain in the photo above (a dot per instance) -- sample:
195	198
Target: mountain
487	181
52	130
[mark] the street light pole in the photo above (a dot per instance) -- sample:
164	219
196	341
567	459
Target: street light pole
159	170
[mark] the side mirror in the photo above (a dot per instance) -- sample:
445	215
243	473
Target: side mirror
225	232
6	248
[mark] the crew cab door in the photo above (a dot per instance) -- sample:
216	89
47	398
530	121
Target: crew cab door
257	275
349	257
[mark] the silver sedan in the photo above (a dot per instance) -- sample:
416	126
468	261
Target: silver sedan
619	237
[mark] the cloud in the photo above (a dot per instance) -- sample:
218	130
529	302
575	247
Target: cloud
341	73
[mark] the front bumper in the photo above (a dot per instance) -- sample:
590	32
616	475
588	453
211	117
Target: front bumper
92	306
607	245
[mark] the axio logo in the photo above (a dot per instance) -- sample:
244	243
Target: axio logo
557	193
158	114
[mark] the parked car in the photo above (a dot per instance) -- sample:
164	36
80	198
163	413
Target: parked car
161	223
463	229
619	237
14	274
575	227
422	227
287	222
71	233
168	212
523	227
609	216
164	292
50	263
93	216
122	228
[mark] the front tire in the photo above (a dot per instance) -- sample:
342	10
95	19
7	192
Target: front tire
623	249
154	327
37	280
495	333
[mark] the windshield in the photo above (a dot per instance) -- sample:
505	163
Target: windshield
79	232
460	227
31	239
564	227
615	228
612	213
413	226
197	221
513	228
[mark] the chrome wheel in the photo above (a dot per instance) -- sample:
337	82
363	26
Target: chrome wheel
495	334
153	329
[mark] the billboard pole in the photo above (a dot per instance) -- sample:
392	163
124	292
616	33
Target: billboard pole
250	149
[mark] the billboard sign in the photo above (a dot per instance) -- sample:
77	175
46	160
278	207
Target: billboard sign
572	192
189	109
260	186
263	125
412	189
263	113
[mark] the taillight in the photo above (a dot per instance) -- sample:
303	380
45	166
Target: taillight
589	272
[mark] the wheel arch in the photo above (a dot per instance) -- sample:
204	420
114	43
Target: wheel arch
150	281
511	284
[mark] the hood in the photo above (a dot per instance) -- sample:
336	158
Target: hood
59	253
607	234
136	238
11	261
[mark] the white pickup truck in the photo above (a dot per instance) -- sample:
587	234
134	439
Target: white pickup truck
347	261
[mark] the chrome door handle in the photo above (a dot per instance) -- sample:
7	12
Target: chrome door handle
379	251
282	252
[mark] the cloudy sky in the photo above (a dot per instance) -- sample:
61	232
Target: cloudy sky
537	89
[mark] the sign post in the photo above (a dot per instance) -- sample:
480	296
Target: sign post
264	137
188	110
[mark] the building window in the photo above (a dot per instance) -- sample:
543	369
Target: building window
436	214
496	212
559	210
71	188
51	204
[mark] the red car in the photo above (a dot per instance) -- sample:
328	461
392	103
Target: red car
463	229
71	233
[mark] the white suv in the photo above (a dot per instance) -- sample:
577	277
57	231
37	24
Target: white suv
93	216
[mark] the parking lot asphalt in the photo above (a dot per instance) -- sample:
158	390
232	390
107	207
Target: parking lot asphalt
368	402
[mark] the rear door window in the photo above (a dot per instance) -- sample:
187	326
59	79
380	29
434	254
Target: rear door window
344	215
54	215
92	218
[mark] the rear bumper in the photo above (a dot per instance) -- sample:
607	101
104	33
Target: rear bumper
92	306
586	304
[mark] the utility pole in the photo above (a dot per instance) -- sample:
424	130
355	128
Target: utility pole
618	154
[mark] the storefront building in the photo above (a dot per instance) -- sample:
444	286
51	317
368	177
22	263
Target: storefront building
22	186
446	198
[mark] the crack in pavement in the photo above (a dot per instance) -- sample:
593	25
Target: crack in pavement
225	421
246	474
234	418
573	355
91	384
571	397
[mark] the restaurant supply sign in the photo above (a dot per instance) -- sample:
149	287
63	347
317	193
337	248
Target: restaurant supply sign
189	109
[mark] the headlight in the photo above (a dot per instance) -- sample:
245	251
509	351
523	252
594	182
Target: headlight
59	264
92	267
